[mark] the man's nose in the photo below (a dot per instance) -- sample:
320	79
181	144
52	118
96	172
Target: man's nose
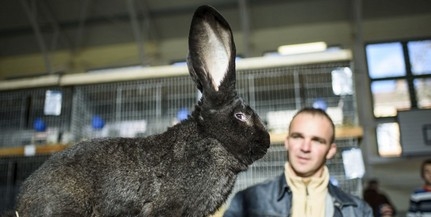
306	145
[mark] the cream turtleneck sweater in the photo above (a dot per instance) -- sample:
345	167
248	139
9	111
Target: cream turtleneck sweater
309	195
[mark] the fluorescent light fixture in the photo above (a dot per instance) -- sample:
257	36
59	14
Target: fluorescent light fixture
302	48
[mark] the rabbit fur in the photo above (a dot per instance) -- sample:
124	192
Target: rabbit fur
189	170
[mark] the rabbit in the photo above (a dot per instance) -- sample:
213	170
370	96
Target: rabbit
188	170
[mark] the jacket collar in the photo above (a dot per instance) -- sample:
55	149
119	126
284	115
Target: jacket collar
340	197
283	188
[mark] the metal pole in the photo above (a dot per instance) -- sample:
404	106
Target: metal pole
245	23
136	29
82	18
362	87
39	37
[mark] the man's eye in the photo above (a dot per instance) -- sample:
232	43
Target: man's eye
321	141
295	136
240	116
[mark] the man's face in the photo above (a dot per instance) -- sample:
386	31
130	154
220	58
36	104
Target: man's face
427	174
309	144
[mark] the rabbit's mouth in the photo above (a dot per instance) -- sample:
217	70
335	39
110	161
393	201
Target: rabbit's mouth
257	154
259	149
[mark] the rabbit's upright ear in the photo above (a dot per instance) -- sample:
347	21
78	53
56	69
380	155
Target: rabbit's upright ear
212	53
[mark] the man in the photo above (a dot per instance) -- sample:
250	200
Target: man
304	189
420	200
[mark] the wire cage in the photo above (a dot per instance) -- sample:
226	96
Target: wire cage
142	107
145	107
277	93
23	112
131	109
13	171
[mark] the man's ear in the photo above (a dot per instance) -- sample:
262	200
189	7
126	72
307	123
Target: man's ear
332	151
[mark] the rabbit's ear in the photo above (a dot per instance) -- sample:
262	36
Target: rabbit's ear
212	53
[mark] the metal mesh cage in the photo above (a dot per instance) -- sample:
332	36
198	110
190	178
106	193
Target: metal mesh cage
13	171
20	109
286	89
145	107
131	109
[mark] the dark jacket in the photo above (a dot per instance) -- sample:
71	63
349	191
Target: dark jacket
273	199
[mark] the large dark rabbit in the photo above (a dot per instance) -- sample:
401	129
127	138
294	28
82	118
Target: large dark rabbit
189	170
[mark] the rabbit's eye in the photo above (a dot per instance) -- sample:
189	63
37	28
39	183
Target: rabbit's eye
241	116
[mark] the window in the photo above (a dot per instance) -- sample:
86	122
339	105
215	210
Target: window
420	56
385	60
400	80
390	96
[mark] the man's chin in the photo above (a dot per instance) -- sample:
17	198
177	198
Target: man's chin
301	171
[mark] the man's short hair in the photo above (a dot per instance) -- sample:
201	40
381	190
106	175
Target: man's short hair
318	112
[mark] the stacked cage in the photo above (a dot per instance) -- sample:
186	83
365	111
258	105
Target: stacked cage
23	112
23	122
131	109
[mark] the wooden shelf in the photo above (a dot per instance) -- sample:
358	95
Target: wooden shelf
276	138
31	150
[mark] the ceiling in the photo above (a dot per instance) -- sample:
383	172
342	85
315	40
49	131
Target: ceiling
38	26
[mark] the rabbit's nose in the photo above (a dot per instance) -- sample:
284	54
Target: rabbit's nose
264	141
